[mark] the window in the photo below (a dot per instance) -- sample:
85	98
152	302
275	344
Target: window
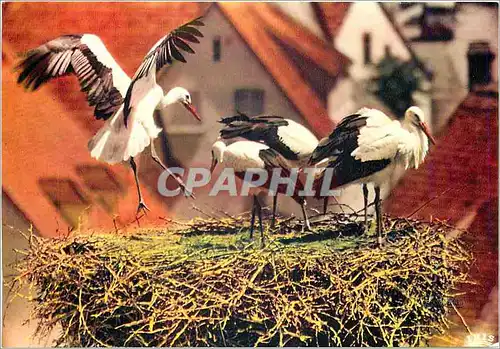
249	101
67	197
216	49
99	178
480	57
105	189
387	51
367	48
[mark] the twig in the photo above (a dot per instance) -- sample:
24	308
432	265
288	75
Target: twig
428	202
461	317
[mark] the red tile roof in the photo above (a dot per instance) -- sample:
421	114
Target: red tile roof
257	23
331	16
463	165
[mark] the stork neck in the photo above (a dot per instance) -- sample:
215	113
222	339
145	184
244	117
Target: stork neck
218	150
166	101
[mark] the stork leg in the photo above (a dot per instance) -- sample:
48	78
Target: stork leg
252	220
307	224
379	217
142	205
365	199
258	207
275	205
325	205
178	180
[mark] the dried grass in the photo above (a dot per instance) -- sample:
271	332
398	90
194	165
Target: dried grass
206	284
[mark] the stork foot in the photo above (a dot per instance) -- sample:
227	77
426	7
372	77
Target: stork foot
306	226
381	241
142	207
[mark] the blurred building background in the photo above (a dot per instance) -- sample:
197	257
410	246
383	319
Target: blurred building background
311	62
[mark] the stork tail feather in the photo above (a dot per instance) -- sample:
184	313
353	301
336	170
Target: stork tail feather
115	143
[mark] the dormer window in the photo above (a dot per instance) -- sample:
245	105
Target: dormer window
67	198
480	57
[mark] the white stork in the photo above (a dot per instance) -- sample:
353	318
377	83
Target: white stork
126	104
367	146
246	155
289	138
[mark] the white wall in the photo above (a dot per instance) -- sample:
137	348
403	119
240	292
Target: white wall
367	17
340	101
216	82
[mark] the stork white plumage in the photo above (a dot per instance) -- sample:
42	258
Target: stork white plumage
247	155
126	104
289	138
367	146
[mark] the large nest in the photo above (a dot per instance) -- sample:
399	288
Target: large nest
206	283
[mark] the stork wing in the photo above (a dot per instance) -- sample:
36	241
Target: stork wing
252	128
382	142
165	51
343	138
272	159
85	56
263	128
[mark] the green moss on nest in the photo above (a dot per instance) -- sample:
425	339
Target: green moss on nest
185	287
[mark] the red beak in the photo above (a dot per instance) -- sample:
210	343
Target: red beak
214	163
427	132
192	110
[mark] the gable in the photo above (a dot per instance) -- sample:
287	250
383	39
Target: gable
370	18
367	17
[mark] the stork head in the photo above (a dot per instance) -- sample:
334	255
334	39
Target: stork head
415	116
218	149
179	95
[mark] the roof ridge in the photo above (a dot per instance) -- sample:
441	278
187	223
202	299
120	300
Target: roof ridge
322	53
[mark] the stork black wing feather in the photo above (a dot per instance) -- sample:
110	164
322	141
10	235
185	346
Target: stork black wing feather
262	128
68	55
191	30
171	47
273	159
343	139
188	37
175	54
182	45
197	22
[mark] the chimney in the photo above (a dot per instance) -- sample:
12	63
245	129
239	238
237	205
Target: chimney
480	57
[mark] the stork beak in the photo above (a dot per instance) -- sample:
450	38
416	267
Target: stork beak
214	163
427	132
192	110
